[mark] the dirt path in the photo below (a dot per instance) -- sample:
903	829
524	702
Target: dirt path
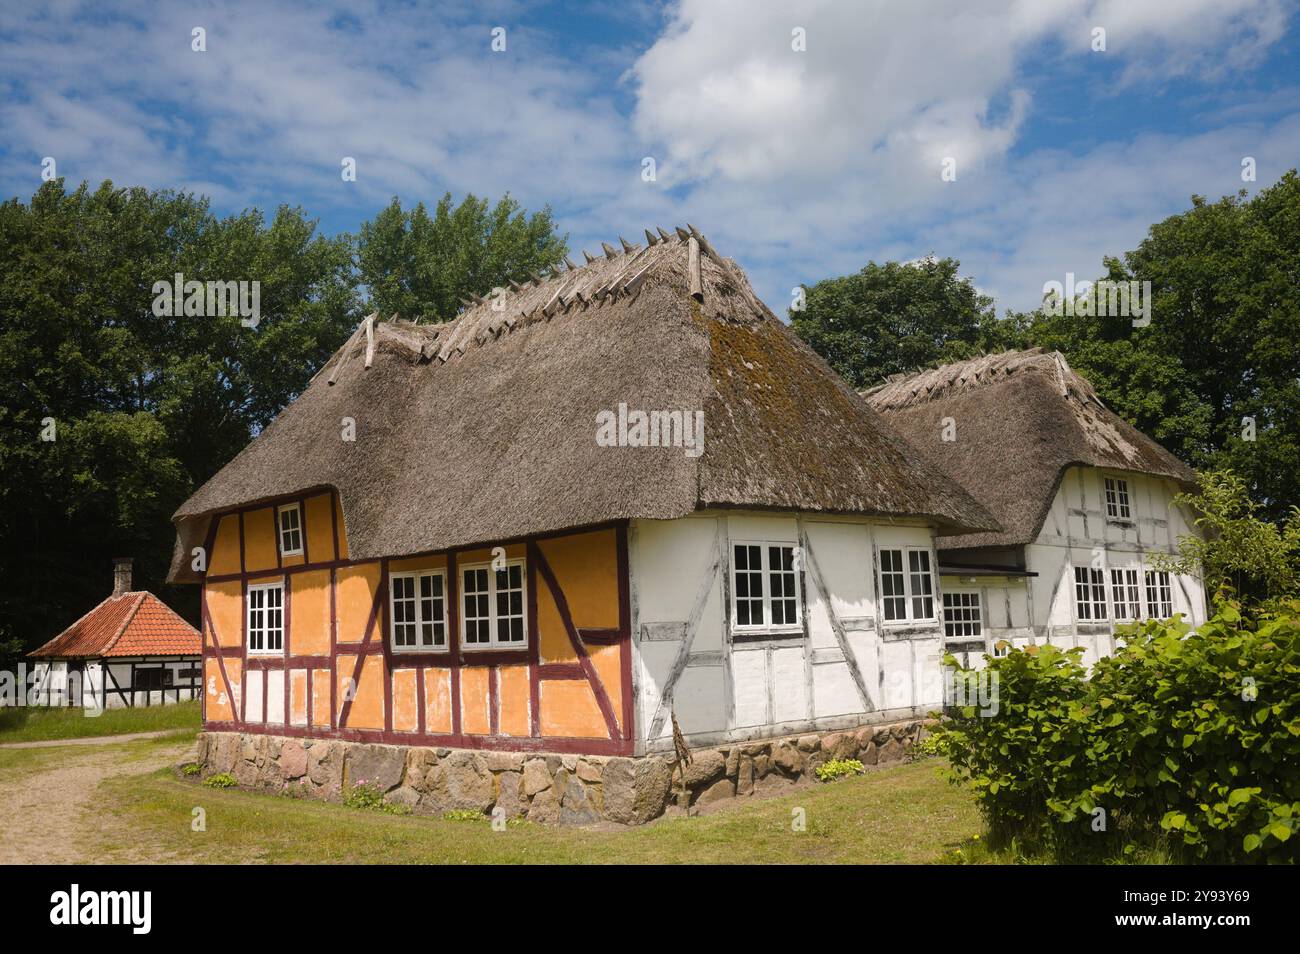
43	811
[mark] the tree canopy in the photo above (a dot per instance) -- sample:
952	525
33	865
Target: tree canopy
419	265
897	317
114	413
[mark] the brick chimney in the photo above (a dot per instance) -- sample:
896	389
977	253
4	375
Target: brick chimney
121	575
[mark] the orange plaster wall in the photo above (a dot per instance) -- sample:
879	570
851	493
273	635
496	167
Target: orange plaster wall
309	616
513	717
569	709
320	697
437	700
226	608
214	688
320	529
224	557
406	710
607	662
586	567
553	641
343	534
474	718
353	600
298	701
417	563
259	539
367	710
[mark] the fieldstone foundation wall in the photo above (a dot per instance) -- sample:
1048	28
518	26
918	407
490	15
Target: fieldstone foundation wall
564	789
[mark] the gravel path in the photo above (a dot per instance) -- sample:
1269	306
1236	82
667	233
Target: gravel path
43	810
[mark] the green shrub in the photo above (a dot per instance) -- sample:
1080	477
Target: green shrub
191	768
1187	737
220	780
366	796
463	814
838	768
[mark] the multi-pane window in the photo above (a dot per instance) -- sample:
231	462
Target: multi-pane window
1160	596
893	590
1124	593
765	587
906	583
922	584
961	615
290	521
493	602
1089	593
266	618
1117	498
419	611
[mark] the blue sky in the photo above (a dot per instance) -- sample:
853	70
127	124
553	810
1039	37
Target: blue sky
800	164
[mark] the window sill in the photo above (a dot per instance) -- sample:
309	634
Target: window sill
265	653
493	648
289	553
785	632
419	650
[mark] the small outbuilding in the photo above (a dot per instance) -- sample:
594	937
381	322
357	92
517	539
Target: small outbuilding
130	650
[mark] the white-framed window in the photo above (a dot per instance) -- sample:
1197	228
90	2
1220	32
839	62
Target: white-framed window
493	604
289	524
1089	593
1160	595
418	602
1117	507
1001	648
906	584
266	617
962	617
766	593
1124	593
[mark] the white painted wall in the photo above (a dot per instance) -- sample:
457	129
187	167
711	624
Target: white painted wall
1077	532
727	686
55	687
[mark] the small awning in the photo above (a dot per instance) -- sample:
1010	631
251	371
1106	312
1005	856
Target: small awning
982	569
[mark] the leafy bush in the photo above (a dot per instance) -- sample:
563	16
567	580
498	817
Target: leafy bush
366	796
1189	737
837	769
191	768
220	780
463	814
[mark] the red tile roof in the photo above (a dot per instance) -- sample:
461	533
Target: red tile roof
133	624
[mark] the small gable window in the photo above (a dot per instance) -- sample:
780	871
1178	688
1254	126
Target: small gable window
493	601
765	589
290	522
1117	507
419	611
266	618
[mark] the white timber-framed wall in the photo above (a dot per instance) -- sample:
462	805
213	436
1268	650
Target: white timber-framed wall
1077	532
118	681
844	666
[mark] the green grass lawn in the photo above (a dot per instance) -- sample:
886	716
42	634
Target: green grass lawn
904	814
35	724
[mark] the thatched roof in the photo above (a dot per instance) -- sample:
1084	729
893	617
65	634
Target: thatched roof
483	428
1021	418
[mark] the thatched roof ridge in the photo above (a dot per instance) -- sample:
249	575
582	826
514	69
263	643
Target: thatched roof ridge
1021	418
483	428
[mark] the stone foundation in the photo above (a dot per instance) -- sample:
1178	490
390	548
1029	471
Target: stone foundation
565	789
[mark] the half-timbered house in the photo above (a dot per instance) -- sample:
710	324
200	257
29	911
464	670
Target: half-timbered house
130	650
1085	501
593	499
